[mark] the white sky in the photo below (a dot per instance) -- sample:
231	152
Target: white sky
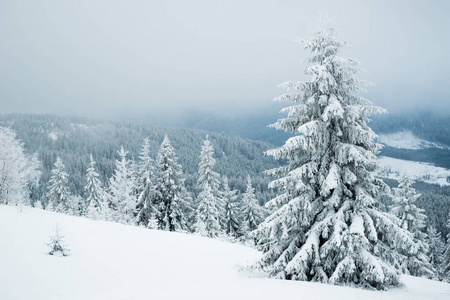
106	58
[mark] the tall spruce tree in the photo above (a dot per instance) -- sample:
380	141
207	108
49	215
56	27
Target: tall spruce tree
133	168
208	185
172	203
121	202
205	168
252	213
207	214
146	186
436	249
232	208
413	219
58	192
326	224
18	172
95	196
445	268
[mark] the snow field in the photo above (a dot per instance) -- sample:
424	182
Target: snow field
407	140
114	261
394	168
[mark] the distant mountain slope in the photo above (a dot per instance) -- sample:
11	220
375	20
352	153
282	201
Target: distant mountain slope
113	261
422	136
428	126
395	168
407	140
251	126
75	138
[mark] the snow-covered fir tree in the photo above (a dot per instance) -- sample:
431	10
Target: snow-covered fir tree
146	186
78	205
208	184
445	267
436	249
18	171
232	208
172	203
326	225
205	168
252	214
134	178
207	223
94	193
413	219
121	202
410	216
58	192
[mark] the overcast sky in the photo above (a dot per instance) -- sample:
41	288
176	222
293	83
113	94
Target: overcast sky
107	58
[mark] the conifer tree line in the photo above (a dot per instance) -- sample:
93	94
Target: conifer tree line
152	193
73	139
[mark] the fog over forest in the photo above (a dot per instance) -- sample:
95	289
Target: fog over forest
136	60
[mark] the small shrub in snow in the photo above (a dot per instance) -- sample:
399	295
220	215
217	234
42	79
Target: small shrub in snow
57	245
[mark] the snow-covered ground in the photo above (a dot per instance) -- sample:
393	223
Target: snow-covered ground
407	140
113	261
79	126
53	135
395	168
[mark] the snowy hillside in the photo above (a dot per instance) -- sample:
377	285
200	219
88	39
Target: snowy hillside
394	168
113	261
407	140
